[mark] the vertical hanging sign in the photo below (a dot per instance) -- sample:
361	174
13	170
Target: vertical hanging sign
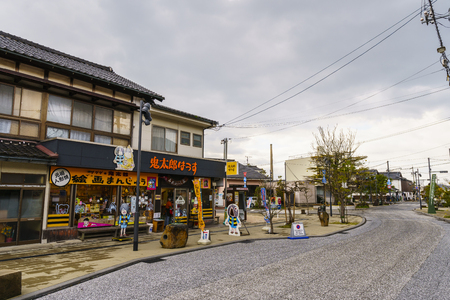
245	179
263	197
197	189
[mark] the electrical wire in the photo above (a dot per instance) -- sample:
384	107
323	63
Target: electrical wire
262	125
407	131
325	77
345	114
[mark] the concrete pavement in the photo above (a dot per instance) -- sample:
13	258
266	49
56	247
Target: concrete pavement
48	267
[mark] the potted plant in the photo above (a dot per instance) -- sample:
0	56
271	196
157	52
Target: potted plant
8	232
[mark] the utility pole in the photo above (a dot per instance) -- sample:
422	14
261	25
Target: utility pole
418	180
389	181
271	171
225	157
429	170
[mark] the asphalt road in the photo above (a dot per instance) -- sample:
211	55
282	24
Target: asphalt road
397	254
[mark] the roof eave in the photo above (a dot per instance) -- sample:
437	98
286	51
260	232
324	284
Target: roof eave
135	92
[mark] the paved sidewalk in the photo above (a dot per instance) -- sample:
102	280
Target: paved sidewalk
46	267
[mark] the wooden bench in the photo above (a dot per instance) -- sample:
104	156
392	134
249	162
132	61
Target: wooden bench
193	218
10	283
208	214
105	231
181	220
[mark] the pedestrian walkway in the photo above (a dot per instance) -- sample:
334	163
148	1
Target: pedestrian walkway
46	267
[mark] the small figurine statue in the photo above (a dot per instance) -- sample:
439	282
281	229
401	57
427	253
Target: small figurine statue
124	218
233	219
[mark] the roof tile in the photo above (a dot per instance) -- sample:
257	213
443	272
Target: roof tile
44	54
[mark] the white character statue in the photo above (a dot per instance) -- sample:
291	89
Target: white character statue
233	219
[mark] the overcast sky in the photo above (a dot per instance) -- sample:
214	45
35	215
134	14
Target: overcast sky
221	59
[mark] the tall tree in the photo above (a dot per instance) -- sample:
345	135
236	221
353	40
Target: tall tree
335	153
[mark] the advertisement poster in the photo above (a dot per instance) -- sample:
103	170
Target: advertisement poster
151	183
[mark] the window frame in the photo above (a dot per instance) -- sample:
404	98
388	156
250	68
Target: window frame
92	131
181	138
165	139
12	100
193	140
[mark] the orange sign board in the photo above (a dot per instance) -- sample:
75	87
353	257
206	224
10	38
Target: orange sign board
102	177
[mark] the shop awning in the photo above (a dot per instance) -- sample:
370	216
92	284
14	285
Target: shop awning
26	151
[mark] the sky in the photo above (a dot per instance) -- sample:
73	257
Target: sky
272	72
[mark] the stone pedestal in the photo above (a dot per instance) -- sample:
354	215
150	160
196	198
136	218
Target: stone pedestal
174	236
10	284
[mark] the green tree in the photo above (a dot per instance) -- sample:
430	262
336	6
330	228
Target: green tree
440	194
381	187
335	153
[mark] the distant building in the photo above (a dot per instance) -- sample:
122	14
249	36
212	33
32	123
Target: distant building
298	170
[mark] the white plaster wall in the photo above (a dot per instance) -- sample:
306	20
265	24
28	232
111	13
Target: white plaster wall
165	120
297	169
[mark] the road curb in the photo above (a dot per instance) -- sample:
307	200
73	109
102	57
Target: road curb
428	215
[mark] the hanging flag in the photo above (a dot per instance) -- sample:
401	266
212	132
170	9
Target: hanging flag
197	189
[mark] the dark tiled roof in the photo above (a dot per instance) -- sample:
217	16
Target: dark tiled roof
393	175
253	172
17	45
24	150
181	113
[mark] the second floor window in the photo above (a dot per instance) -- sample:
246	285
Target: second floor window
185	138
164	139
21	109
197	140
94	123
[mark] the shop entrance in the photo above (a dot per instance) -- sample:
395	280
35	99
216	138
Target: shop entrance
21	216
174	204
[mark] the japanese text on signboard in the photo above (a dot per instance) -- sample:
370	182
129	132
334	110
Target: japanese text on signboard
105	177
172	164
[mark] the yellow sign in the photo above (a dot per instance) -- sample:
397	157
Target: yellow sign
232	168
98	177
201	223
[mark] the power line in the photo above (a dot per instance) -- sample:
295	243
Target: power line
407	131
325	77
261	125
346	114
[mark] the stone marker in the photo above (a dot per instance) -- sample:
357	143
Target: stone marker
174	236
324	218
10	284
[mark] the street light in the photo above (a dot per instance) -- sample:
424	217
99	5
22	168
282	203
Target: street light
327	162
144	111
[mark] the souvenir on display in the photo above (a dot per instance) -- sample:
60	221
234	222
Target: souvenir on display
111	208
80	208
233	219
124	219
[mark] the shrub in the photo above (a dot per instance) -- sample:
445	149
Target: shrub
362	205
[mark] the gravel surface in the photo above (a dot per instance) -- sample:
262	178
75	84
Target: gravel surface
387	258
